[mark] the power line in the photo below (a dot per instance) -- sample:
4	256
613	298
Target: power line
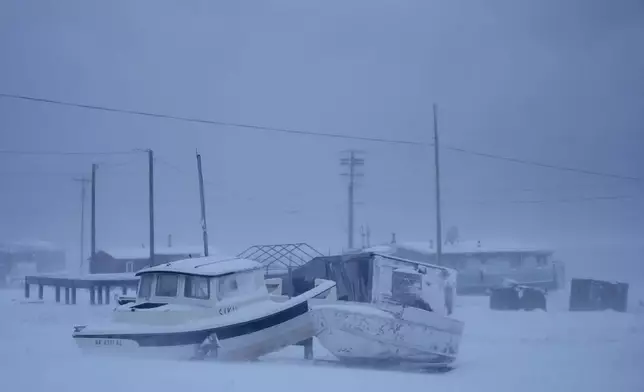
38	173
582	199
172	166
541	164
210	122
51	152
296	132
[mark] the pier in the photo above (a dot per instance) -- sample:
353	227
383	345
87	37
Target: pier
99	286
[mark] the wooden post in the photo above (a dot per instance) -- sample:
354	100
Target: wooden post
57	294
99	291
92	295
66	295
74	295
308	349
26	289
204	226
151	202
40	291
124	290
93	232
439	229
107	295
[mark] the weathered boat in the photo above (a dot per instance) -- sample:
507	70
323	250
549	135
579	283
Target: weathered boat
389	310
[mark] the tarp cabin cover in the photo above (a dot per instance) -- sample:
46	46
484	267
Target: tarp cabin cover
352	274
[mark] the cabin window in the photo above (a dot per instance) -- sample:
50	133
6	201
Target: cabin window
145	286
167	285
542	261
496	260
129	266
530	260
196	287
227	286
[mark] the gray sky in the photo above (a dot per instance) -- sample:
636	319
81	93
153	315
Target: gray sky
554	81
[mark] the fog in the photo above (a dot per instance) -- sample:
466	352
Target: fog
560	83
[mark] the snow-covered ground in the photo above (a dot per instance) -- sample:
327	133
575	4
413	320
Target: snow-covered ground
501	351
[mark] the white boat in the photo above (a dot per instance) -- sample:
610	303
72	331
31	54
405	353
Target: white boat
390	310
201	308
374	335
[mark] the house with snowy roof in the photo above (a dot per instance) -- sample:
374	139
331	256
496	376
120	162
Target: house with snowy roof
121	260
482	265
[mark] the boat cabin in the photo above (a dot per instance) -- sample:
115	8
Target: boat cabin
377	278
204	281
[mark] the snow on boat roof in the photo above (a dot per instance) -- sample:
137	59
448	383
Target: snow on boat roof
205	266
458	248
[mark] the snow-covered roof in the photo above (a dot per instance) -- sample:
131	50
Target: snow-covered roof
144	253
205	266
458	248
30	245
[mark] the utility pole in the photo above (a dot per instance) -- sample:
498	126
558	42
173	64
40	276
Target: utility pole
93	230
352	162
439	235
83	181
204	226
151	203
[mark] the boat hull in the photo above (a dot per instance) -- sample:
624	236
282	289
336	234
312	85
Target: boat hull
360	333
244	346
289	324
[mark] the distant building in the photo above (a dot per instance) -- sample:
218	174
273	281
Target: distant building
482	265
131	260
18	259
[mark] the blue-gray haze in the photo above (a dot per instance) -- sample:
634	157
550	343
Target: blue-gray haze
560	82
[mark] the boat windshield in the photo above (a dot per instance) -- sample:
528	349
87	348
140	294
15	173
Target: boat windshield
145	286
197	287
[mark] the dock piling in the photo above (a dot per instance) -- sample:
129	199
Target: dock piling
98	285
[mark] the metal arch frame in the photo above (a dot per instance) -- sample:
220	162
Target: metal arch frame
296	254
